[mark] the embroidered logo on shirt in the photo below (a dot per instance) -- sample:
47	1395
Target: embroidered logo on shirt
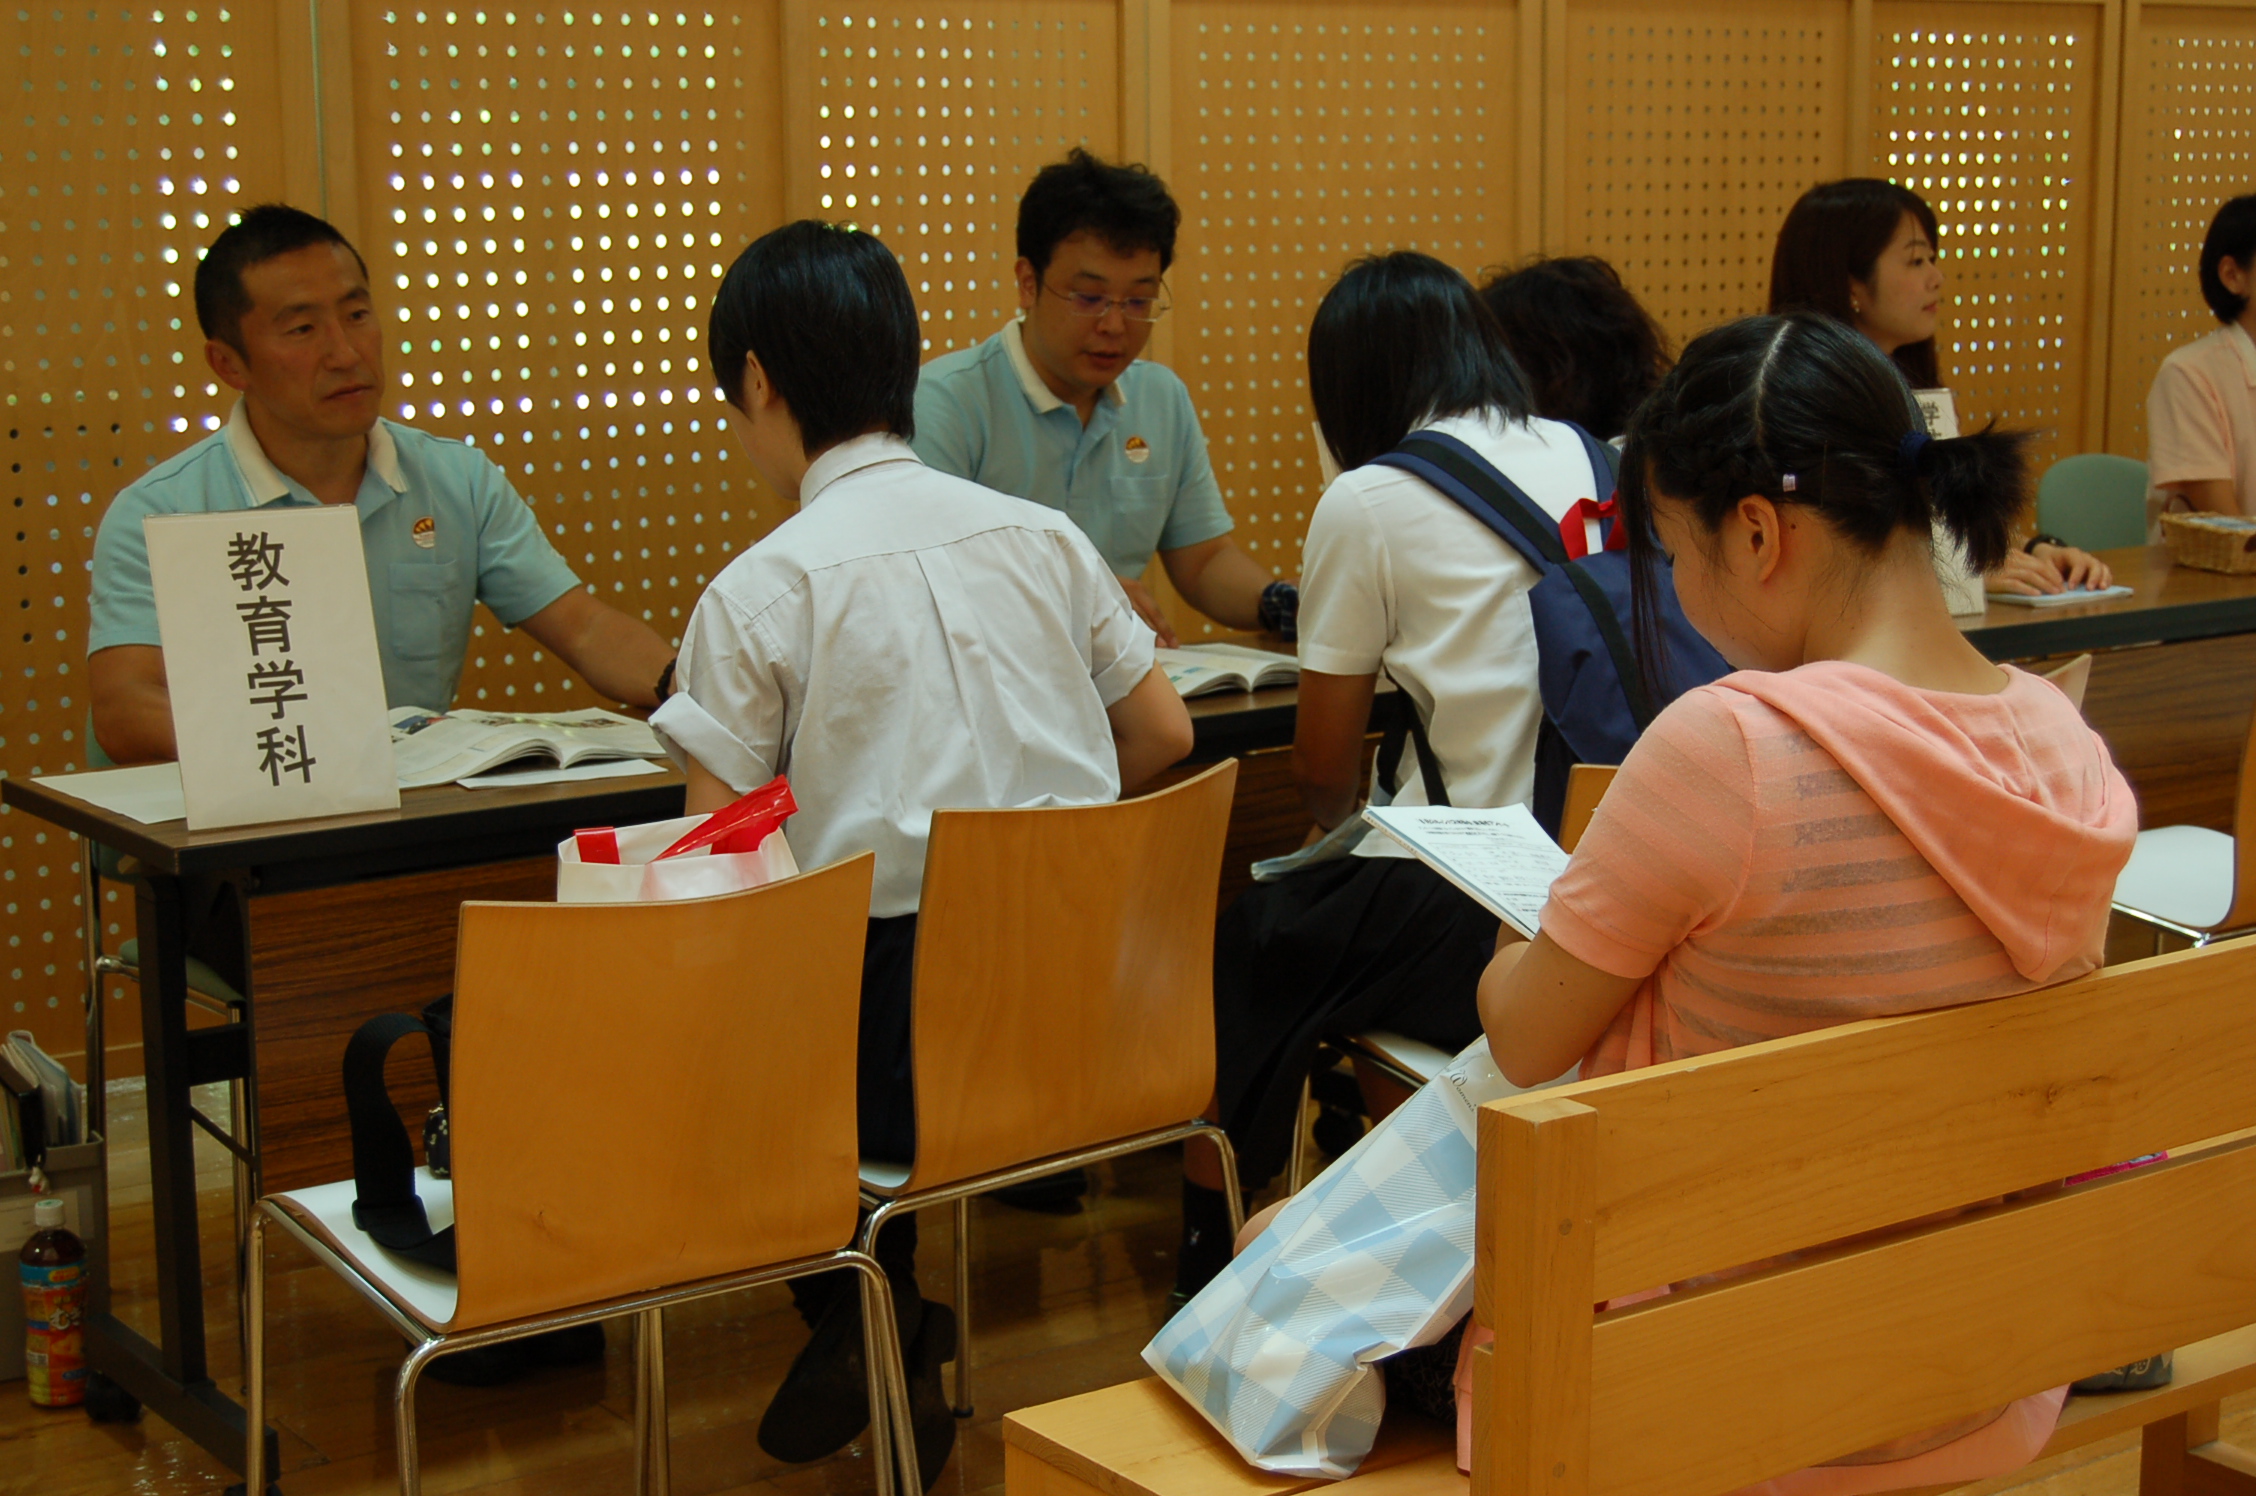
1138	449
427	533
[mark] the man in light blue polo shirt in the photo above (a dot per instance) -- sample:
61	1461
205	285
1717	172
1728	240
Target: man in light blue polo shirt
1056	407
289	321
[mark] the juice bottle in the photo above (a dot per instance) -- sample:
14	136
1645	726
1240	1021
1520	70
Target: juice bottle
53	1268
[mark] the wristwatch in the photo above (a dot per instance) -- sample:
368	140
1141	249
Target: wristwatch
1279	609
666	682
2029	546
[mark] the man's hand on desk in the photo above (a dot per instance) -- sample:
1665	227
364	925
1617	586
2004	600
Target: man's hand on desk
1147	608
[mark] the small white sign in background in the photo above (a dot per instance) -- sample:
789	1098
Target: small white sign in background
270	655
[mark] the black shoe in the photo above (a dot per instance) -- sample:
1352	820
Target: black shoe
929	1414
1207	1242
824	1400
492	1365
1053	1194
2137	1376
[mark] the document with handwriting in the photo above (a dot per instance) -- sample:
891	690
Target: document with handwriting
1500	857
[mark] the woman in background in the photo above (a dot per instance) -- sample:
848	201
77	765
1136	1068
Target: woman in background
1864	252
1590	352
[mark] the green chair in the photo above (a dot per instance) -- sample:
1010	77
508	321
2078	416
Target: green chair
2095	500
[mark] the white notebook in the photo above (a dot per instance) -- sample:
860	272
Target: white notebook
1500	857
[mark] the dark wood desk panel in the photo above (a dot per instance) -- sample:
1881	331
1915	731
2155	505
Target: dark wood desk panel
2176	717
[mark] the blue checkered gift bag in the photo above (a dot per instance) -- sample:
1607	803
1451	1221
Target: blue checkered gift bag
1374	1257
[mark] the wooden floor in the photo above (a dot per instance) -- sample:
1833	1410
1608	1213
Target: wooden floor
1062	1304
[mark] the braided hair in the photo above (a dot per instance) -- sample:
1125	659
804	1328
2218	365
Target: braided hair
1805	411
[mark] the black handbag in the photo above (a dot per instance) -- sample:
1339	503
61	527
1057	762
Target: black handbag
385	1204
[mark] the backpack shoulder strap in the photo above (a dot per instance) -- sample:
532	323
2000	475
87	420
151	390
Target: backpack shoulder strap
1605	460
1473	483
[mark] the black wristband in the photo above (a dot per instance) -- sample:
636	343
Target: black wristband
1279	609
666	682
2029	546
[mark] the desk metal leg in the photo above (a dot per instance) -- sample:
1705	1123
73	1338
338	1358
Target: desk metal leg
171	1378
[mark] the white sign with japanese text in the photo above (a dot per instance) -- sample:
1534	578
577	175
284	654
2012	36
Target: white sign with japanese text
270	654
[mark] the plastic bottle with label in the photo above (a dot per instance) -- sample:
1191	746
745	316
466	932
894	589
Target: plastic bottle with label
53	1269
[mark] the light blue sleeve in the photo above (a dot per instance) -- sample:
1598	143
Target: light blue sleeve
519	572
123	604
946	437
1198	512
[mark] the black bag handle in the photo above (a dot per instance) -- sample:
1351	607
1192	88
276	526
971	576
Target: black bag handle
385	1204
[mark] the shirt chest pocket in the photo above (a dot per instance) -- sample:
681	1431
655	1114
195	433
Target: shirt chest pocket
430	616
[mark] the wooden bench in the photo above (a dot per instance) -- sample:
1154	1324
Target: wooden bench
1841	1146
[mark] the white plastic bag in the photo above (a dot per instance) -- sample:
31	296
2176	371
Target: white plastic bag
691	857
1373	1257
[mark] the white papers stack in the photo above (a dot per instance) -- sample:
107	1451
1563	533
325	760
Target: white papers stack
1500	857
2060	599
148	793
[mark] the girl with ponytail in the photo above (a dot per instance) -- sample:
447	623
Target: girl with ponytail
1868	817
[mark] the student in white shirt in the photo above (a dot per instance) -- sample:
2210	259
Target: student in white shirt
906	642
1398	580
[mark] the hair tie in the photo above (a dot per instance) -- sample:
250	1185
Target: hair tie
1908	450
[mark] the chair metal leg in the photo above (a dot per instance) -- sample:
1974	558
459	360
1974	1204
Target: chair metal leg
1230	1193
254	1364
653	1446
1295	1169
892	1431
403	1416
962	1408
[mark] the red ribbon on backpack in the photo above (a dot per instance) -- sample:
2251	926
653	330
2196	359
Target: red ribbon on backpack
1574	530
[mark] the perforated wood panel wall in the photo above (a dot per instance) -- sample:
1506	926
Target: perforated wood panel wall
929	122
2188	144
1682	136
548	197
1991	113
547	194
1304	136
130	132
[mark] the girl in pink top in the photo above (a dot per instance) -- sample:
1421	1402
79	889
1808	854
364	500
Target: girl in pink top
1868	818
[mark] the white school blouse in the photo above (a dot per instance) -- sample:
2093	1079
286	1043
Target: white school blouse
1395	576
907	642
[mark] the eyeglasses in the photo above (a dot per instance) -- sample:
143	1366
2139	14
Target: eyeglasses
1134	308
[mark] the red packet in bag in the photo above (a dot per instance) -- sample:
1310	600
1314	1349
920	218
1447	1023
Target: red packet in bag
741	826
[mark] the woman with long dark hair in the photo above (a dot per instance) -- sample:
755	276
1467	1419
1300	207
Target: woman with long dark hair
1866	252
1397	581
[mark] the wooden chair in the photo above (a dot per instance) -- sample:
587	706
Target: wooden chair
2194	881
650	1104
1848	1147
1064	1001
1408	1062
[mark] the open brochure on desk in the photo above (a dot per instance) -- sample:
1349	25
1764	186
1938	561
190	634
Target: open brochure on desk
1196	669
431	748
1502	858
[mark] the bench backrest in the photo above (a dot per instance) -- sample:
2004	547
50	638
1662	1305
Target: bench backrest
1867	1131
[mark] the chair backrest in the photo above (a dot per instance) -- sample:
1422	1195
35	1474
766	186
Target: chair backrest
1843	1146
2073	677
2095	500
1065	975
1586	786
650	1094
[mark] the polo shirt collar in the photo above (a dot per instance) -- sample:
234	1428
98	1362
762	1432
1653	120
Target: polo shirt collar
1038	394
265	480
2246	348
851	456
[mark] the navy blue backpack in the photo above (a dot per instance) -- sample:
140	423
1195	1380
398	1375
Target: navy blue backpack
1595	701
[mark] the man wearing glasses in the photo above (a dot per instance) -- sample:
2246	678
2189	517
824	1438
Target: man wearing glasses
1057	409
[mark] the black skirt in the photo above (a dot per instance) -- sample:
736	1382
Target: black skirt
1360	943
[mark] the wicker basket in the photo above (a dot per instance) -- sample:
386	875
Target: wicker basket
2211	542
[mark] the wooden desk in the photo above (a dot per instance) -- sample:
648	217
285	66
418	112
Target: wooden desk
2170	604
319	924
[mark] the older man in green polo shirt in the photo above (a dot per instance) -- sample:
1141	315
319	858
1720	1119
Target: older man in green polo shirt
289	321
1057	408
